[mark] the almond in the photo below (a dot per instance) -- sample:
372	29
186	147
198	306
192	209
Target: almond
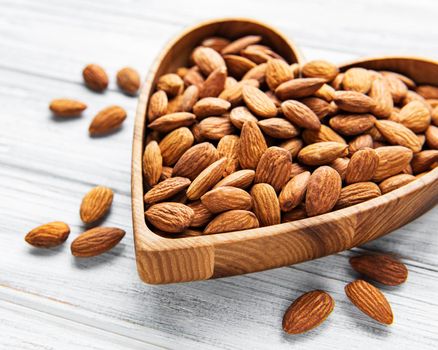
208	59
340	165
324	134
238	66
301	115
259	54
397	88
128	80
170	217
240	115
232	220
210	106
209	177
241	179
357	193
67	108
407	81
166	189
240	44
166	173
432	137
277	72
352	124
392	160
360	142
398	134
318	106
427	91
226	198
152	163
257	73
171	84
228	147
95	204
298	88
357	79
48	235
202	215
274	167
189	98
370	301
424	160
96	241
415	116
337	82
322	153
354	102
293	146
193	77
362	166
308	312
295	214
175	144
381	95
215	42
278	128
294	191
215	128
297	169
320	69
323	190
107	120
266	205
257	101
95	77
394	182
215	83
381	268
326	92
172	121
195	160
234	94
252	145
157	105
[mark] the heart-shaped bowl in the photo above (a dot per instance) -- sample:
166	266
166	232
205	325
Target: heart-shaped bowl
167	260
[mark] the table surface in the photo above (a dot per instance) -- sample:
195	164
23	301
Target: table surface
50	300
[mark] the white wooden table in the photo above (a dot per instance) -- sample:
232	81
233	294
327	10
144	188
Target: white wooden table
49	300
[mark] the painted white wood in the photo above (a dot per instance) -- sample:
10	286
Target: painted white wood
46	166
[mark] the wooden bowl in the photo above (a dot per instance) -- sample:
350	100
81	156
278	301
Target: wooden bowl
166	260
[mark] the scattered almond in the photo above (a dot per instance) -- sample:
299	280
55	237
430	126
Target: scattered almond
48	235
96	241
95	204
67	108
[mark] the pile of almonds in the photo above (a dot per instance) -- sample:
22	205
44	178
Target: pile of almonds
312	308
241	139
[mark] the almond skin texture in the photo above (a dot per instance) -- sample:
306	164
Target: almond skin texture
353	124
208	59
357	79
322	153
226	198
195	160
232	220
362	166
215	42
294	191
171	84
398	134
370	301
96	204
274	167
298	88
415	116
157	105
381	268
324	134
210	106
354	102
238	45
166	189
152	163
424	160
323	190
237	66
172	121
381	95
189	98
228	147
96	241
278	128
214	84
301	115
170	217
432	137
215	128
95	77
252	145
318	106
258	102
357	193
277	72
308	312
107	120
48	235
202	216
209	177
67	108
266	205
128	80
240	115
361	141
293	146
392	160
241	179
394	182
175	144
320	69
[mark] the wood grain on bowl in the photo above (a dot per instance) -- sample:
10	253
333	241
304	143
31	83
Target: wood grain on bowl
167	260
